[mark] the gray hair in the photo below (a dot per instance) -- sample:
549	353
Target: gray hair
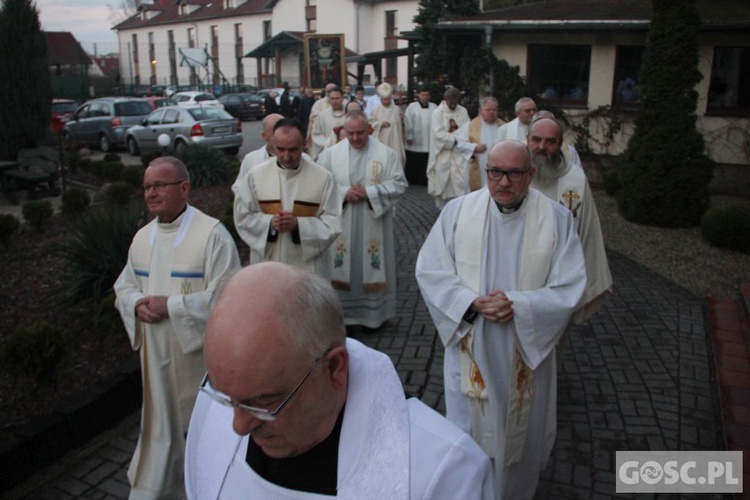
356	114
484	100
522	101
452	92
548	115
313	316
175	163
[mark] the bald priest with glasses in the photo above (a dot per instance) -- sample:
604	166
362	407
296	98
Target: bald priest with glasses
501	272
292	409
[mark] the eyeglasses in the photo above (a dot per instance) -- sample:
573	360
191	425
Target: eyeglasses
496	174
159	187
259	413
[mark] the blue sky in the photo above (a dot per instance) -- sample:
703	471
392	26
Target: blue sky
90	21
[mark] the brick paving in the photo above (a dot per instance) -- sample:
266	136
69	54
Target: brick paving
637	376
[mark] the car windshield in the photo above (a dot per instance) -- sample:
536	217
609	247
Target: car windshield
132	108
205	97
63	107
210	114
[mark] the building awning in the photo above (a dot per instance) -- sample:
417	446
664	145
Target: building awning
375	57
282	39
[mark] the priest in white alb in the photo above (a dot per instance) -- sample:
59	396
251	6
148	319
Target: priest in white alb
174	266
387	121
371	180
518	128
263	153
476	138
501	272
446	168
417	123
288	208
323	130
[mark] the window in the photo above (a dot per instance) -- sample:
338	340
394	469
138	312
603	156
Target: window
267	35
311	15
729	91
560	73
390	23
627	68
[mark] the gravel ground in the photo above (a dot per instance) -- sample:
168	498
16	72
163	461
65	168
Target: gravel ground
680	255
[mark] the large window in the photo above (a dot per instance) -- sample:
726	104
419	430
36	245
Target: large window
626	91
560	73
729	91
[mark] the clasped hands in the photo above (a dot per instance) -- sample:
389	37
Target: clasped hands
152	309
494	307
356	194
284	221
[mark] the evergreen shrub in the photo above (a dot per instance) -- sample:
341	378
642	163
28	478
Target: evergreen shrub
9	225
74	159
727	226
85	165
97	168
37	212
133	175
611	181
119	193
112	158
112	170
207	166
39	351
147	158
75	201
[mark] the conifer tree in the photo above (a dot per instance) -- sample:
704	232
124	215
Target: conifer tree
24	78
665	173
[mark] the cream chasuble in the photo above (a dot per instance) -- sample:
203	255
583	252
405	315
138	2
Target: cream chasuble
322	130
184	260
392	136
446	168
515	130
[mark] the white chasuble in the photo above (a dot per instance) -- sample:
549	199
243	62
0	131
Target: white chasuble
393	135
446	167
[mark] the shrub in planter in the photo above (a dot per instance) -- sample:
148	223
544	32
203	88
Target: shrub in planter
112	170
207	166
97	168
75	201
147	158
85	165
112	158
233	169
74	159
95	254
37	212
119	193
133	175
611	181
38	351
9	224
727	226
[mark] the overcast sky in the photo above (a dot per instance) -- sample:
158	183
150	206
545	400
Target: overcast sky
90	21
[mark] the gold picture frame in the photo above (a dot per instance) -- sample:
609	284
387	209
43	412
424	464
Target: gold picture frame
325	59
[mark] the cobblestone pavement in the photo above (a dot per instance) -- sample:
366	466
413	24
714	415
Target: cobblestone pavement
636	377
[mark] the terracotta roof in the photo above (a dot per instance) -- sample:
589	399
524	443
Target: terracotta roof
602	14
109	65
284	38
207	9
63	48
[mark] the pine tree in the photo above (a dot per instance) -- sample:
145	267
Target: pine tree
665	173
24	78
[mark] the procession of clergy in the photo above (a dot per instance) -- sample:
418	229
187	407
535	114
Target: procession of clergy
515	258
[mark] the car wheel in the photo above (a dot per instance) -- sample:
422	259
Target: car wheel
133	147
179	146
104	144
232	151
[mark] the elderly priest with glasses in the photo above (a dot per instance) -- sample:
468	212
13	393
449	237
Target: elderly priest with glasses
290	408
501	273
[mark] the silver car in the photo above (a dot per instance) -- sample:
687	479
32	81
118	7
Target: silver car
103	122
196	124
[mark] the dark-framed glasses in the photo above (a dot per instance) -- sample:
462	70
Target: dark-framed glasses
496	174
259	413
159	187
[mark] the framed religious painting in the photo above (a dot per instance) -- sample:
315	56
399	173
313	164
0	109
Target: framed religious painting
325	59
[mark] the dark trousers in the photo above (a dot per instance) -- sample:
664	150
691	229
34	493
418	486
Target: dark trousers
416	168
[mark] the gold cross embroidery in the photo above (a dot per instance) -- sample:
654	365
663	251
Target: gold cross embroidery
571	197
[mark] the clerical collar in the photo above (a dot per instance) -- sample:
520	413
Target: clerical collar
175	217
511	209
425	105
282	167
269	152
315	471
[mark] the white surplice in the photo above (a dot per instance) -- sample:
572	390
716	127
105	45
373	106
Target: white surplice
417	122
515	130
366	243
446	168
186	260
534	256
310	193
389	447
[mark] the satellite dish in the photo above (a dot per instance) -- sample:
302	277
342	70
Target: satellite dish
164	140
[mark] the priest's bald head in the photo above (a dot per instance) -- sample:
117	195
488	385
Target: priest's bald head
275	350
509	173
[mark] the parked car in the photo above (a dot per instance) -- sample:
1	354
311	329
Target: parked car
103	122
279	91
194	97
157	102
209	125
62	112
243	106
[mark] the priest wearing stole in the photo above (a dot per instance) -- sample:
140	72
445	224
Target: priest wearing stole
387	121
476	138
175	264
371	180
501	273
288	209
